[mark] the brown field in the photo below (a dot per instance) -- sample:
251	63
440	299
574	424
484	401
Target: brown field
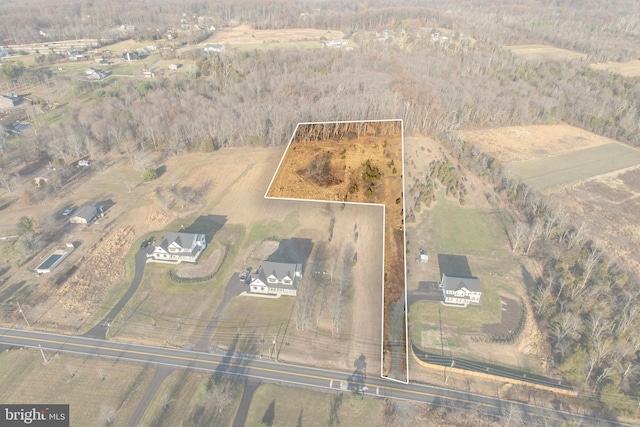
609	206
520	143
541	52
244	34
96	390
627	69
362	163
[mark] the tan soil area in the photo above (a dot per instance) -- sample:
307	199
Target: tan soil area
544	52
628	69
519	143
244	34
609	206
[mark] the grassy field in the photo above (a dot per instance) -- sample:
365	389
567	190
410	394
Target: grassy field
465	231
546	173
257	320
94	389
295	406
184	399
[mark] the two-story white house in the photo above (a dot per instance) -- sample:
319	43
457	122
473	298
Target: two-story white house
460	290
178	247
276	278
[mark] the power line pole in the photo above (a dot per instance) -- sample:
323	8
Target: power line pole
23	315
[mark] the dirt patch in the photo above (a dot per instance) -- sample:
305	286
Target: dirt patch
628	69
541	52
519	143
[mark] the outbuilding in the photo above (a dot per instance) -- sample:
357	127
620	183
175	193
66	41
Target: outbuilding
84	215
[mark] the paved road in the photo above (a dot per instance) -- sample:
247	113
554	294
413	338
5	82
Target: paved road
265	370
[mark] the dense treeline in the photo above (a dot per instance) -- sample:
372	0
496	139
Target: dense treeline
605	30
243	98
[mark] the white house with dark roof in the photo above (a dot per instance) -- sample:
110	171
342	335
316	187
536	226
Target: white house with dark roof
461	290
276	278
178	247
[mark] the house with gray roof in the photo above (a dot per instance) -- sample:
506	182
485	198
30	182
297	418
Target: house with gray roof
178	247
461	290
84	215
276	278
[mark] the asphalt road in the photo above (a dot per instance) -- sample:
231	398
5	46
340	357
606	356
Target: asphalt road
265	370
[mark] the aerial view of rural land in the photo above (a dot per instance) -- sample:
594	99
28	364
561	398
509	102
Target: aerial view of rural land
319	213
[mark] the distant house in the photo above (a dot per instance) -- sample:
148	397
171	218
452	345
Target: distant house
84	215
461	290
276	278
178	247
337	43
9	101
96	74
131	56
214	48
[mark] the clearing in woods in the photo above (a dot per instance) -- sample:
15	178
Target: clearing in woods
627	69
357	162
244	35
541	52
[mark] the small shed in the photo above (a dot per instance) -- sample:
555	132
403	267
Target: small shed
84	215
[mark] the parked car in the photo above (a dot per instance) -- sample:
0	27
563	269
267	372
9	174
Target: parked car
144	244
245	274
67	212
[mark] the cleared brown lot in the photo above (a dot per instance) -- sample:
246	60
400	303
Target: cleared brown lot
356	162
541	52
519	143
627	69
244	34
609	206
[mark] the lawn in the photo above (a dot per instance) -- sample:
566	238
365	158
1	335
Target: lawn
290	406
94	389
568	168
453	229
250	323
